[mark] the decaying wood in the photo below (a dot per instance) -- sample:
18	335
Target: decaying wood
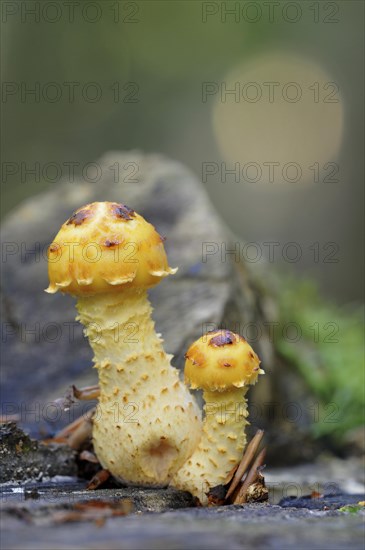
257	492
23	458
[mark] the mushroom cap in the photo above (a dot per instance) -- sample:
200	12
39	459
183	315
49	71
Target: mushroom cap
221	360
103	247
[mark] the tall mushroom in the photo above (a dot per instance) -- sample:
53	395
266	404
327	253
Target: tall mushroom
146	424
223	364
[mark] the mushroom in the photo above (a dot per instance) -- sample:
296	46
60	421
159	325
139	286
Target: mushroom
223	365
147	424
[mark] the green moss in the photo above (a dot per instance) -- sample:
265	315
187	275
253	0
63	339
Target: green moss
326	344
352	508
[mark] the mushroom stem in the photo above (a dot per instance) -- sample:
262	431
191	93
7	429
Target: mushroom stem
147	424
221	445
223	365
140	428
118	325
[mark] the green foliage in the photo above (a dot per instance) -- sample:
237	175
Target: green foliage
327	347
352	508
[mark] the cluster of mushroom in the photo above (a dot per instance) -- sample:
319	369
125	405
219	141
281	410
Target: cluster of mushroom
148	429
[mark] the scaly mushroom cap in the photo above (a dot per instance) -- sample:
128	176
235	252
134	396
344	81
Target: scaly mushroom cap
221	360
104	246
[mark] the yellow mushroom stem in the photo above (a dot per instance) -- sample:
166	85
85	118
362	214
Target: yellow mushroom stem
221	445
147	424
223	365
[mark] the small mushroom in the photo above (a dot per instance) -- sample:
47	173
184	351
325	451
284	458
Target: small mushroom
147	424
223	365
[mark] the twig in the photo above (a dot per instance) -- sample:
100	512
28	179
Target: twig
250	478
87	393
99	478
88	456
245	462
70	428
81	433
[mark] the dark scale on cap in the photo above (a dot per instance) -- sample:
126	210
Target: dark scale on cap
123	211
54	247
79	217
223	338
109	243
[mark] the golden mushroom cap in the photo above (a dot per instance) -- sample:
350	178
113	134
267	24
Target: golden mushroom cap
103	247
221	360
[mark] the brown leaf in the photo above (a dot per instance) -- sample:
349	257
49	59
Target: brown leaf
257	492
93	510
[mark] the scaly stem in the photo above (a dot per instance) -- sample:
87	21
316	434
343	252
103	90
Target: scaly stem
147	424
221	445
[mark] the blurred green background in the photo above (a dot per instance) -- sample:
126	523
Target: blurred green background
150	61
